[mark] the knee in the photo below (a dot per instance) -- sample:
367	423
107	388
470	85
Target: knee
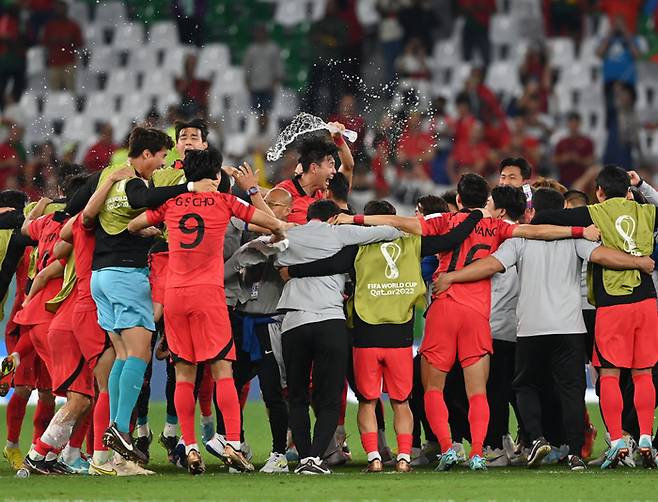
23	391
47	397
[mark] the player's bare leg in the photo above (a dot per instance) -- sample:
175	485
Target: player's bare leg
403	422
229	405
367	421
475	380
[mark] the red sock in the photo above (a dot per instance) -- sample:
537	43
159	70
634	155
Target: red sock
244	394
79	432
343	406
645	401
369	441
478	418
42	448
404	444
101	420
205	394
15	415
437	416
185	406
611	404
227	400
42	417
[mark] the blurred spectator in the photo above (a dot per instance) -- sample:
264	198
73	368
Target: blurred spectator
574	153
623	143
13	64
328	37
10	162
521	144
619	50
626	10
412	65
538	125
390	35
564	18
416	149
190	18
32	179
484	103
260	140
418	21
532	90
263	70
465	119
442	128
473	156
41	11
475	35
349	116
353	49
62	38
99	155
379	165
193	91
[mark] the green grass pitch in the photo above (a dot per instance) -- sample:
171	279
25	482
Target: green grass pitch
554	483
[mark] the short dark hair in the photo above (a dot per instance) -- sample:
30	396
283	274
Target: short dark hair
450	197
473	190
379	207
314	149
574	115
199	124
72	184
523	165
339	187
432	204
511	199
200	164
576	195
547	198
614	181
224	182
13	198
148	138
322	210
462	99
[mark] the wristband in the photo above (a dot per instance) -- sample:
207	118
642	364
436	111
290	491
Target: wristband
252	191
339	140
358	219
639	183
190	186
577	232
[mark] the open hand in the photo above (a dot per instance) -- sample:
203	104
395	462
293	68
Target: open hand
592	233
441	283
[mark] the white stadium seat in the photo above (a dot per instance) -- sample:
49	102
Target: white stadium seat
561	51
110	13
163	35
143	59
36	60
129	36
158	82
103	58
121	81
59	105
174	58
213	59
100	105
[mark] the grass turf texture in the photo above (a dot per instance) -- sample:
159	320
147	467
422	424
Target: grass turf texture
347	483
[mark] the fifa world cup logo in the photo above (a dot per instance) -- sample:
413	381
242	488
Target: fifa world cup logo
625	226
391	252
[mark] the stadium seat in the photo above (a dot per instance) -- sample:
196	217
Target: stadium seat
231	81
110	13
446	54
36	60
165	100
213	59
59	105
236	145
158	82
561	51
366	12
96	35
129	36
102	58
137	104
163	35
503	29
79	11
647	95
291	12
100	105
174	58
504	77
121	81
286	104
317	9
78	127
28	105
143	59
588	49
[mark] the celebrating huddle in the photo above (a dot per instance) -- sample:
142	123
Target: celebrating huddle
142	259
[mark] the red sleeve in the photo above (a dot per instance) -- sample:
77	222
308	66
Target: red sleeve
36	227
433	224
505	230
239	208
559	148
156	216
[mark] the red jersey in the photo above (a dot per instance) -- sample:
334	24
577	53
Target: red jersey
300	200
196	223
21	285
83	249
485	238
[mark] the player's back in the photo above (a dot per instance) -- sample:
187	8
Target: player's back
83	249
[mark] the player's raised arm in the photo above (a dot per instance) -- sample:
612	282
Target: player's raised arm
97	200
247	180
344	153
36	212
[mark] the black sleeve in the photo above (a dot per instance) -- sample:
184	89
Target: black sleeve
139	195
433	244
23	240
80	198
340	263
11	219
575	217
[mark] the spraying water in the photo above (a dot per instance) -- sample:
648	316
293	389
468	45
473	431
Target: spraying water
301	124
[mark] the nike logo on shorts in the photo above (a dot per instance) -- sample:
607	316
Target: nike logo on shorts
268	352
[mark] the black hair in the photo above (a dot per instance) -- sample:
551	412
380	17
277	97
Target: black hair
314	149
72	184
432	204
638	196
201	164
148	138
462	99
576	195
224	182
574	115
322	210
614	181
523	165
450	197
339	187
379	207
199	124
547	198
13	198
473	190
511	199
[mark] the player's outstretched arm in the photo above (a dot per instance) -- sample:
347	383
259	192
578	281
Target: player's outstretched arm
62	250
434	244
37	211
552	232
476	271
139	223
645	189
409	224
55	269
616	260
344	153
247	180
274	225
96	201
340	263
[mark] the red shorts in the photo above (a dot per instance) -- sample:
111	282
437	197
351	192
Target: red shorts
198	326
626	336
158	276
69	370
454	331
39	335
392	367
32	371
91	338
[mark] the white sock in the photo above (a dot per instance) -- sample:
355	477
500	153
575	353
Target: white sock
169	430
206	420
34	455
372	455
216	443
615	442
404	456
646	437
143	431
101	457
12	445
70	455
191	447
234	444
51	456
